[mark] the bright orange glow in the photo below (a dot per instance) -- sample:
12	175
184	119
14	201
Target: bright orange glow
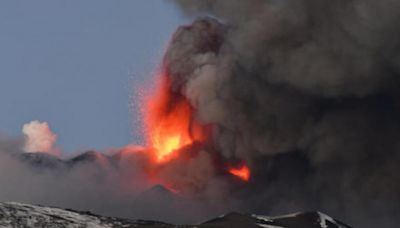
243	172
171	127
169	122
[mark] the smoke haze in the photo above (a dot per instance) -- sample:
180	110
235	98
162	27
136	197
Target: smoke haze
110	183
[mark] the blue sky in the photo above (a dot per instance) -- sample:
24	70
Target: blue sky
75	65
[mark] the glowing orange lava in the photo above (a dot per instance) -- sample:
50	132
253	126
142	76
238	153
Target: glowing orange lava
242	172
169	122
170	125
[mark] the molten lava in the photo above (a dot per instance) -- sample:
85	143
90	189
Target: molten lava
172	133
242	172
169	122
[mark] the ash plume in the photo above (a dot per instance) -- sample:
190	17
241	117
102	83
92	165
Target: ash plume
307	93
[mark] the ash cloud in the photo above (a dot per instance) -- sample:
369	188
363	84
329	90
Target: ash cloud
307	93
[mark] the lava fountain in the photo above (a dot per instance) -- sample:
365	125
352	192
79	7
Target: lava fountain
169	122
172	130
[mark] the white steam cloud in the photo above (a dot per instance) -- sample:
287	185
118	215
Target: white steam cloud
39	138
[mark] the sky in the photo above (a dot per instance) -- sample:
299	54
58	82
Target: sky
78	65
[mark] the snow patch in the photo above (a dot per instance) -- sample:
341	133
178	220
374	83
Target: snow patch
323	218
268	226
262	217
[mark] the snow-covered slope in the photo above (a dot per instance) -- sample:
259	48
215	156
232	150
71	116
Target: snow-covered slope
300	220
297	220
26	215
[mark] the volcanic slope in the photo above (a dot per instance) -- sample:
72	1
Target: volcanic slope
25	215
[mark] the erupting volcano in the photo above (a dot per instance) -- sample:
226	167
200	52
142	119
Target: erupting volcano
261	107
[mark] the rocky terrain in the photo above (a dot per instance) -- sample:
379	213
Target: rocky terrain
25	215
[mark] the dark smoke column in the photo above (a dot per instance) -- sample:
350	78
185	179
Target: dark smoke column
307	93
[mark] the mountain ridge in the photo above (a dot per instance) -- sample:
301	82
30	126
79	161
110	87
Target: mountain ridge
14	214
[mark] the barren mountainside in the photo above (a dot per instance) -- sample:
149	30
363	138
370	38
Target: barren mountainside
25	215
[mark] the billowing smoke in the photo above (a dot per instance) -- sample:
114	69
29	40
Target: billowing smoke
307	93
39	138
